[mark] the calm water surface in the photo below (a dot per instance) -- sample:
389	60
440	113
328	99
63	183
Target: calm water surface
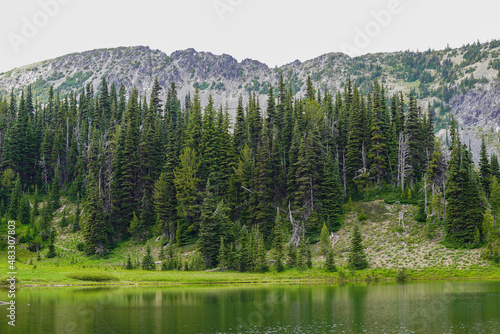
430	307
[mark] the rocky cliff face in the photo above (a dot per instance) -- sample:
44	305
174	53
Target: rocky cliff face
478	107
464	79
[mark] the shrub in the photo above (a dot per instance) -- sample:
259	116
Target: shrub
92	276
80	246
401	277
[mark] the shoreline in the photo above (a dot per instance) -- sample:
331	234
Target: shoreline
46	277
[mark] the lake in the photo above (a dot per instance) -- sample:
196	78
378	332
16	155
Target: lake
426	307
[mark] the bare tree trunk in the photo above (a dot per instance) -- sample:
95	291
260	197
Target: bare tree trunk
403	153
344	172
425	195
444	202
297	228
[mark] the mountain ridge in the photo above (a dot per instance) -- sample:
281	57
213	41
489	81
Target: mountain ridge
443	79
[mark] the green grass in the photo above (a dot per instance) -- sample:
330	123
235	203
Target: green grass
43	273
389	248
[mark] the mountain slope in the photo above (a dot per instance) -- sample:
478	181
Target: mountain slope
464	79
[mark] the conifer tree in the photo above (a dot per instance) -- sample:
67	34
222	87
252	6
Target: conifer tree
310	91
291	255
23	215
52	238
357	147
302	253
495	198
330	261
495	167
214	223
379	151
357	258
126	196
324	240
413	128
331	194
96	231
194	131
464	210
55	192
240	134
222	257
259	254
484	168
278	243
210	158
263	210
186	183
15	197
148	262
129	265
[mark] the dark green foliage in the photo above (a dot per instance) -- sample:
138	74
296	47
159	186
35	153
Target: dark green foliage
129	265
331	195
15	197
485	170
302	253
357	257
495	167
464	211
278	243
421	216
324	240
291	255
24	212
141	167
213	226
148	262
96	230
330	261
52	251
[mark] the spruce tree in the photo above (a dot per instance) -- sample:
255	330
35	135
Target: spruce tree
291	256
484	169
278	243
15	197
52	239
222	257
357	258
324	240
214	224
129	265
495	198
302	254
240	134
330	261
464	210
495	167
24	211
96	231
331	194
186	183
148	262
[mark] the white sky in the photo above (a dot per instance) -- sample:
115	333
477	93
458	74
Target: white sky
275	32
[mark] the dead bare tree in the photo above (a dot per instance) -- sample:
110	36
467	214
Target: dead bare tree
404	167
297	228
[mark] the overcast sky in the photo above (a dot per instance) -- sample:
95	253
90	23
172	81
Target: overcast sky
275	32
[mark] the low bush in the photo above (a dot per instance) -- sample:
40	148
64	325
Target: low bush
93	276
